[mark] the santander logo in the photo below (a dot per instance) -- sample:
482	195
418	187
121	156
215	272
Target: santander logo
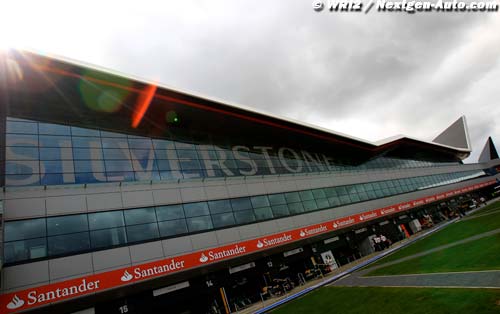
260	244
302	233
126	277
15	303
203	258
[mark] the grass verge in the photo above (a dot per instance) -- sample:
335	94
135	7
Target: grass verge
379	300
482	254
455	232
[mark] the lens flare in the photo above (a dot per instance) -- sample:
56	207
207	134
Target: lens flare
143	102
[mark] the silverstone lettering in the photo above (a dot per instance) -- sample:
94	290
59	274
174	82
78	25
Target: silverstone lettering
213	162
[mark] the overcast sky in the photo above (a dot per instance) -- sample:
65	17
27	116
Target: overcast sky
372	76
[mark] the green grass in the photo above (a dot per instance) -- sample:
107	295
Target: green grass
378	300
487	209
454	232
481	254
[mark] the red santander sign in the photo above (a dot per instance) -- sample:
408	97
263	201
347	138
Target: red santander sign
64	290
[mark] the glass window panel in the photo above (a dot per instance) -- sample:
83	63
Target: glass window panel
306	195
86	142
363	196
142	232
139	215
25	229
329	192
21	167
116	143
68	243
115	153
241	203
169	212
163	144
21	140
322	203
199	223
67	224
104	220
118	165
244	216
21	127
217	207
310	205
112	134
341	190
196	209
318	193
263	213
187	154
280	211
25	250
259	201
50	153
53	129
52	166
333	201
55	141
172	227
296	208
140	143
21	153
108	237
345	199
355	198
88	165
76	131
13	179
292	197
277	199
359	188
222	220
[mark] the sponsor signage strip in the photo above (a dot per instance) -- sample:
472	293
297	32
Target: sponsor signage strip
64	290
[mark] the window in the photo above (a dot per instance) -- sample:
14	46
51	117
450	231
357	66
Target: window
222	220
172	227
259	201
280	211
222	206
242	203
263	213
25	250
139	216
106	220
142	232
169	212
199	223
66	224
244	216
25	229
108	237
277	199
68	243
196	209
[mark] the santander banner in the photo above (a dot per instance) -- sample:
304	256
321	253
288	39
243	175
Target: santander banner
64	290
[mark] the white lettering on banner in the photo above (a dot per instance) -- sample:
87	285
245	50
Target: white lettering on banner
430	199
157	270
274	241
265	152
368	216
312	231
404	206
216	255
34	297
343	222
388	210
418	202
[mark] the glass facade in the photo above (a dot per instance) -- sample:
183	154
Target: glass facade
47	154
64	235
